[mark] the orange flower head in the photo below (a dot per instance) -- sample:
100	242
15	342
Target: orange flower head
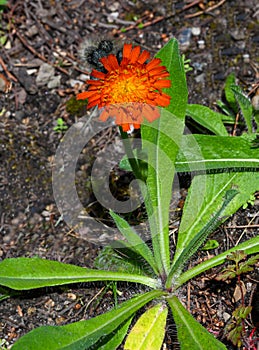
130	90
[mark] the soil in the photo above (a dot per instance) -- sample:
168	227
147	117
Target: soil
219	37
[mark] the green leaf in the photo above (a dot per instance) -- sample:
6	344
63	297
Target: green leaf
206	152
4	296
248	265
206	117
205	197
149	331
242	312
114	339
250	246
135	241
83	334
229	94
29	273
193	244
227	274
237	256
160	141
210	244
190	333
235	335
178	91
245	106
229	116
122	259
234	328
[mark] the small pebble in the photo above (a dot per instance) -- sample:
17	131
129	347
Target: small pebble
201	44
60	320
74	82
114	7
246	57
196	31
31	310
112	16
32	31
54	82
71	296
46	72
200	78
49	304
184	38
19	115
31	71
226	316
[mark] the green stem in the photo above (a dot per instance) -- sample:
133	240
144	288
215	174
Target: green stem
132	159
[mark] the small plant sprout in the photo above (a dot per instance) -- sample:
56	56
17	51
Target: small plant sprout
235	329
251	201
186	64
60	127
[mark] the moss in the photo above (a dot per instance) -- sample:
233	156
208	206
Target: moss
76	107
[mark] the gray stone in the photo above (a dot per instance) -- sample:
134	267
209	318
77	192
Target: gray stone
54	82
46	72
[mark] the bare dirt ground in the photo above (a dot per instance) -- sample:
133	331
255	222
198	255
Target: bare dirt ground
41	71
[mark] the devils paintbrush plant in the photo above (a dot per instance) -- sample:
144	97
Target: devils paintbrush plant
225	169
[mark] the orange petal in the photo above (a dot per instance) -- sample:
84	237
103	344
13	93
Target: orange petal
97	74
89	93
127	51
94	82
125	127
104	115
151	113
157	70
110	63
162	84
163	75
136	126
113	62
93	103
135	54
82	96
152	64
163	100
143	56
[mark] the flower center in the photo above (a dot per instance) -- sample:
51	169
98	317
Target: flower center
127	84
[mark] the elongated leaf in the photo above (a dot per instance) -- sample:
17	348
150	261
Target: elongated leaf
178	91
207	118
229	94
160	141
122	258
204	199
29	273
206	152
83	334
190	333
149	331
245	106
114	339
4	296
195	243
250	246
229	116
135	241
